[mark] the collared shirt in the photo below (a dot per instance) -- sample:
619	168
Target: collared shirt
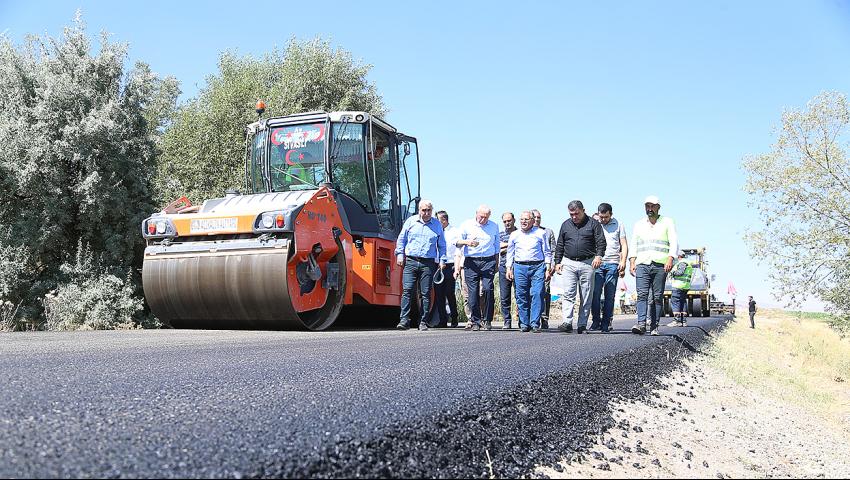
452	236
487	236
614	231
585	240
504	236
422	239
528	246
654	242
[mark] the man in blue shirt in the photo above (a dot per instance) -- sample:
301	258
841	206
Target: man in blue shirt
421	244
480	242
528	260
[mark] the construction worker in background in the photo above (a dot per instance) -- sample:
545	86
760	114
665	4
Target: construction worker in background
752	308
682	273
655	246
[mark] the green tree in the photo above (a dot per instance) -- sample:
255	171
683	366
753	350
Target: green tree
78	139
801	188
204	148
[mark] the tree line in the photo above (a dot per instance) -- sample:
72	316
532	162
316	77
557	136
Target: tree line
90	147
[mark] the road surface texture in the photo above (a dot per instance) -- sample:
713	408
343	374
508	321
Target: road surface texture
236	404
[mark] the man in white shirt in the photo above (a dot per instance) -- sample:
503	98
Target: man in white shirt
445	292
480	247
528	265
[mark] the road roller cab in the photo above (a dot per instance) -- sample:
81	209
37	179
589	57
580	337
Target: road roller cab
325	197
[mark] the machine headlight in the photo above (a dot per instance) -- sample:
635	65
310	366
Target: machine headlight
268	220
161	227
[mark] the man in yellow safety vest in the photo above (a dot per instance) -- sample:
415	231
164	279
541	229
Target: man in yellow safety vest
655	246
682	273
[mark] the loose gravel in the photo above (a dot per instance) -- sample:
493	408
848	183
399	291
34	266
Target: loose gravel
506	434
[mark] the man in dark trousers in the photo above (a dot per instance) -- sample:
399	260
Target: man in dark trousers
752	312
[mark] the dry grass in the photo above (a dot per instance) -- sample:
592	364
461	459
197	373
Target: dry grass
795	358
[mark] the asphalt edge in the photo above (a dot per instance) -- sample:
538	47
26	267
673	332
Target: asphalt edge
507	433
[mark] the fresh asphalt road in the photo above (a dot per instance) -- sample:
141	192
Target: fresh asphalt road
175	403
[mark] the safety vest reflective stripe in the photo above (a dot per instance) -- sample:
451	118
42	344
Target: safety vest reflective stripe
683	281
652	244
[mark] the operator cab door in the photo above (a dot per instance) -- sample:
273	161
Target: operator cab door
408	174
381	161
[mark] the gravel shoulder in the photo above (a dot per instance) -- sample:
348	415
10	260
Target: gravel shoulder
699	423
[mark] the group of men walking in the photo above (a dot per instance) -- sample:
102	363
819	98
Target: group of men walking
589	254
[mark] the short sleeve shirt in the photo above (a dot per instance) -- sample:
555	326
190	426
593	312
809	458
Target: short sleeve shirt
614	231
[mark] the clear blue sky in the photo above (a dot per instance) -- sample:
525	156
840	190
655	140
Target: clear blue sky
533	104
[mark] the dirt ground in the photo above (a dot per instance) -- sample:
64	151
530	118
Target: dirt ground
703	425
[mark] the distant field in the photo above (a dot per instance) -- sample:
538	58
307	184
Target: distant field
792	356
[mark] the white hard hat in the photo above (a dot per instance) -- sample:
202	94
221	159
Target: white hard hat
653	200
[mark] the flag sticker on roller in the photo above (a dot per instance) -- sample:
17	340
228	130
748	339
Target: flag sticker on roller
208	225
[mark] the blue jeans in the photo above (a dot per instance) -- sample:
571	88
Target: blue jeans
604	281
649	276
679	300
529	288
422	272
505	293
479	272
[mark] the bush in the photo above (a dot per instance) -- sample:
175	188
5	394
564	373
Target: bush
92	299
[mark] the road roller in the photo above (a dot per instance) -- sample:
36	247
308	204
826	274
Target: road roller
325	196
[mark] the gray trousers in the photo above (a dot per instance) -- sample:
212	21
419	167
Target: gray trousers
578	289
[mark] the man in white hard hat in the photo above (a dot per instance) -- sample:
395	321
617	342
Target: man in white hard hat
655	245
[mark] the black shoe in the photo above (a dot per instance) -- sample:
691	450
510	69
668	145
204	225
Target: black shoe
639	329
536	330
566	327
454	323
488	326
595	327
476	328
581	329
402	326
525	329
544	324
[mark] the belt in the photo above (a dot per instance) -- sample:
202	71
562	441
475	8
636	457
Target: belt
530	262
491	257
580	259
422	259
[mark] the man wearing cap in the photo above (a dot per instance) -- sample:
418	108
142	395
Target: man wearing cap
579	250
655	243
480	247
528	266
421	244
